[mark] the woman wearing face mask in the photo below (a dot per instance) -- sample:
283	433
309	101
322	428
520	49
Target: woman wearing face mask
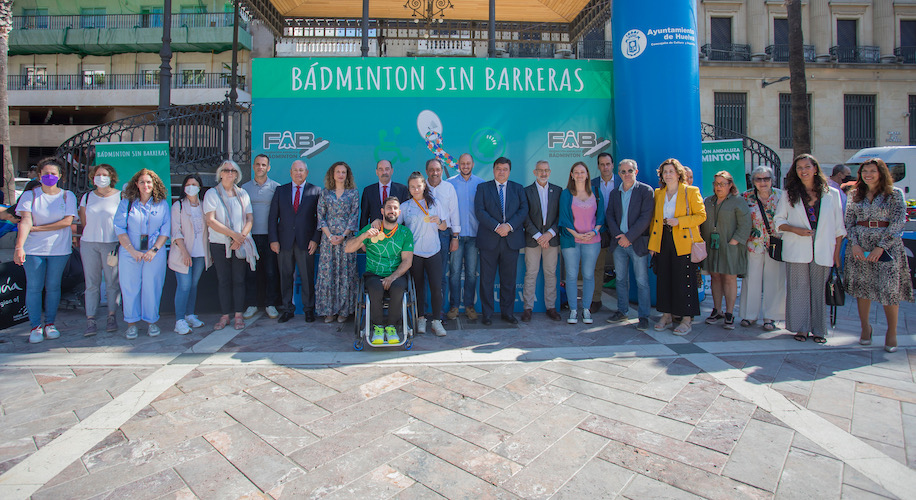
97	211
190	253
43	246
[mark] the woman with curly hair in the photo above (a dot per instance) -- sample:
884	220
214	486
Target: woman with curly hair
338	216
876	267
810	220
143	224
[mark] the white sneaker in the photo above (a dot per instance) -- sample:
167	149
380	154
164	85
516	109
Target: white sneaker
250	312
36	335
586	316
51	332
437	327
153	330
572	318
271	312
421	325
182	328
194	321
131	332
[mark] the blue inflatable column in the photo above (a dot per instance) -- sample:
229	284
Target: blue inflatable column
657	85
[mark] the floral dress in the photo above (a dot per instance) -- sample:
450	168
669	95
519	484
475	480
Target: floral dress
886	282
760	239
335	288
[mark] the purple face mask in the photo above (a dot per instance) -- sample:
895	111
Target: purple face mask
49	180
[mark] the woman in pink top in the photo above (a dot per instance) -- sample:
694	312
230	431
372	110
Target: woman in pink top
581	221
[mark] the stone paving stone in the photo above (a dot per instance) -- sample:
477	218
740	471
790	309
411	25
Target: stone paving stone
530	382
796	375
598	479
572	370
500	398
642	403
418	492
15	447
859	375
643	487
286	403
365	391
482	463
347	440
448	381
73	471
686	453
832	395
886	392
38	425
341	471
853	493
444	478
909	434
662	425
23	410
498	375
759	455
854	478
347	377
525	445
897	453
692	401
552	469
358	413
156	485
677	475
530	407
212	476
645	370
877	419
263	465
299	384
667	384
608	366
484	435
184	424
763	367
452	400
272	427
464	371
892	361
810	476
382	482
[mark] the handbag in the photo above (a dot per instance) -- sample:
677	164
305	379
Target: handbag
697	249
835	293
774	248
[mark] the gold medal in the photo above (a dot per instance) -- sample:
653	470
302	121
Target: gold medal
381	236
427	219
374	239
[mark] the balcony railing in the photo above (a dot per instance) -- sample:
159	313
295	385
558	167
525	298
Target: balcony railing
906	55
119	82
125	21
726	52
858	54
780	53
595	49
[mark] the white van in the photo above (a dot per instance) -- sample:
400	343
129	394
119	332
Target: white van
900	160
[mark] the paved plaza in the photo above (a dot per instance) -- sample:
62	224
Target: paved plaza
542	410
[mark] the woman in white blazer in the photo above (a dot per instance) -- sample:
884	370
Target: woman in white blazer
810	219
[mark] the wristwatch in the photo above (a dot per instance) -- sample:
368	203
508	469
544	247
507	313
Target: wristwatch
155	249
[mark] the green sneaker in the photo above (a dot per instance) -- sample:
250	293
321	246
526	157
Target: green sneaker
378	334
391	335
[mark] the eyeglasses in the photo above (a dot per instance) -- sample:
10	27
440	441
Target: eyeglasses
627	171
762	179
542	170
721	184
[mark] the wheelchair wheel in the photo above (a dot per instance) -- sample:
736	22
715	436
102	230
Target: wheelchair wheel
358	345
412	313
359	313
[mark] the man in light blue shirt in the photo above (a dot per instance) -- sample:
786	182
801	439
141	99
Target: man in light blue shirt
466	254
266	291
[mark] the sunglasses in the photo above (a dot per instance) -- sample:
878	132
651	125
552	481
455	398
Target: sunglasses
627	171
762	179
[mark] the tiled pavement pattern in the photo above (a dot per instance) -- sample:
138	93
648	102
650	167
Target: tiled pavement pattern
545	410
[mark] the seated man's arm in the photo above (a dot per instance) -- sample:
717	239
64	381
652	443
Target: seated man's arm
355	243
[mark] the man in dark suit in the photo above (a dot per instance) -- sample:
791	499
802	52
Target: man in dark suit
541	240
501	208
292	232
603	183
628	215
371	203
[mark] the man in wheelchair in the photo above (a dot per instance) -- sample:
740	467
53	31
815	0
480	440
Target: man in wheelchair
389	253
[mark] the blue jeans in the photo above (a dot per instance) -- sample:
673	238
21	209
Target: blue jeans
186	291
622	259
43	272
465	255
584	256
445	239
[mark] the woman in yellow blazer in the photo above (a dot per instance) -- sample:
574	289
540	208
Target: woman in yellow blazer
670	240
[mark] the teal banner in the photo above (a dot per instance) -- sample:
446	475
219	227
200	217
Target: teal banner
410	110
128	158
727	154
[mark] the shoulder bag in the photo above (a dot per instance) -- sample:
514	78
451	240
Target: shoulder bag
697	249
774	248
835	293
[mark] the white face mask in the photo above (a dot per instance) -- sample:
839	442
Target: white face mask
101	181
191	190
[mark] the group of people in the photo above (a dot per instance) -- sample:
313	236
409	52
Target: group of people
765	234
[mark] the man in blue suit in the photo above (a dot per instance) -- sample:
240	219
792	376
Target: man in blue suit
628	215
603	183
292	232
374	195
501	208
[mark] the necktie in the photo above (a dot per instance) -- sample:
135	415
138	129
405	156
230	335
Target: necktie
384	194
502	200
296	200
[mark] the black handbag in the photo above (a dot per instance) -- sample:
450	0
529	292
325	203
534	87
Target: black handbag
774	248
835	293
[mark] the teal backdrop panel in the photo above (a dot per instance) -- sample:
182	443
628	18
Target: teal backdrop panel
410	110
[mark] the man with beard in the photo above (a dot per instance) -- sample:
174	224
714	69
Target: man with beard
389	253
